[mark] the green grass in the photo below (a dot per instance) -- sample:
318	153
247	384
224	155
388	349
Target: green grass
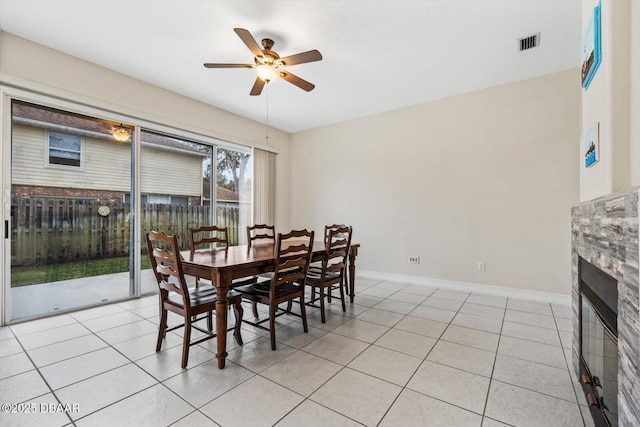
25	276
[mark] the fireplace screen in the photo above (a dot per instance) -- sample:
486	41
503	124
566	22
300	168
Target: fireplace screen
600	354
599	343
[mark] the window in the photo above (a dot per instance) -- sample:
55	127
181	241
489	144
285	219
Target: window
159	199
65	149
233	192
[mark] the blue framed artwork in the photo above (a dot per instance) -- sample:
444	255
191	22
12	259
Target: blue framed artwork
591	51
591	149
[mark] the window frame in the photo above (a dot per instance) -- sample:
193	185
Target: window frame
48	163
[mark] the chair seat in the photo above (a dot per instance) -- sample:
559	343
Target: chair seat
263	288
314	277
202	295
235	283
243	281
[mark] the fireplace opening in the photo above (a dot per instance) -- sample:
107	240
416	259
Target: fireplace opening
598	336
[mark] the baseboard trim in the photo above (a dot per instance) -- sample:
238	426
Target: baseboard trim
525	294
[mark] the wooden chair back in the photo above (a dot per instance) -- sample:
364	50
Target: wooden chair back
215	237
337	244
208	234
331	273
261	232
166	263
294	251
328	228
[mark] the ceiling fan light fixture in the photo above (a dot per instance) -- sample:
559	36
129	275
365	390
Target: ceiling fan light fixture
267	73
121	133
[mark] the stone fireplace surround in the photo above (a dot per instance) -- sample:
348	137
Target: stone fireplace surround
604	232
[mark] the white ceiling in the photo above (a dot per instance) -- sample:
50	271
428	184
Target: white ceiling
378	55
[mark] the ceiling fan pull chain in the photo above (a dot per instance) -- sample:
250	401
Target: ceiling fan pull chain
267	142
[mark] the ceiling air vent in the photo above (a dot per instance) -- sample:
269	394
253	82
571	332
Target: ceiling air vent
528	42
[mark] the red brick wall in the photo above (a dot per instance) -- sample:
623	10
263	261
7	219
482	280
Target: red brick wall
26	191
76	193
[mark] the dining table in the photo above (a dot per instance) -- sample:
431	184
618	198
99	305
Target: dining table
222	266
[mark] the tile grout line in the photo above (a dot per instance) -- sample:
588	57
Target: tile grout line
342	367
414	372
157	381
493	368
571	373
42	377
421	364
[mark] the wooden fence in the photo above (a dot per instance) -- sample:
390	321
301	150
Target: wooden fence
48	230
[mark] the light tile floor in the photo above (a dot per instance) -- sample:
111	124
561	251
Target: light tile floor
403	354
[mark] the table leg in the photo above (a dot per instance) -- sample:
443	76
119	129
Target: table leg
352	273
222	308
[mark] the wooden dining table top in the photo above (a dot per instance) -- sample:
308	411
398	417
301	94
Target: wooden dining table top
257	259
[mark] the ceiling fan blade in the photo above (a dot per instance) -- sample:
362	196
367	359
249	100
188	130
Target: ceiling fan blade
210	65
292	78
257	87
248	39
301	58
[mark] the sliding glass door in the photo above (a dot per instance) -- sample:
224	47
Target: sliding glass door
70	220
81	187
186	184
174	196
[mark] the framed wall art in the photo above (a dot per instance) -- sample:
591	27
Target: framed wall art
591	50
591	146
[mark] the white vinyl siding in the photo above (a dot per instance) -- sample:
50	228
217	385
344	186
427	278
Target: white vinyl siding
170	172
106	166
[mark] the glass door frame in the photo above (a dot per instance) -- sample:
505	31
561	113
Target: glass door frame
7	94
5	211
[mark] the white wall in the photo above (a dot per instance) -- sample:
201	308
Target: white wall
612	100
28	65
486	176
634	152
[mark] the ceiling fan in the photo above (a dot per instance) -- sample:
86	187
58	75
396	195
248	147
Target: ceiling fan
269	65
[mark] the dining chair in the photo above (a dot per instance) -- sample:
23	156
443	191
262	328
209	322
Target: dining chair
317	267
175	296
218	240
328	228
293	254
333	270
261	232
214	237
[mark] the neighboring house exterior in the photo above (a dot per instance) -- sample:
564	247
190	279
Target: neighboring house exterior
55	154
223	195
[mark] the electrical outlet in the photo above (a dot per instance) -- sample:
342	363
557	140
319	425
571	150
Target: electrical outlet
481	266
414	259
